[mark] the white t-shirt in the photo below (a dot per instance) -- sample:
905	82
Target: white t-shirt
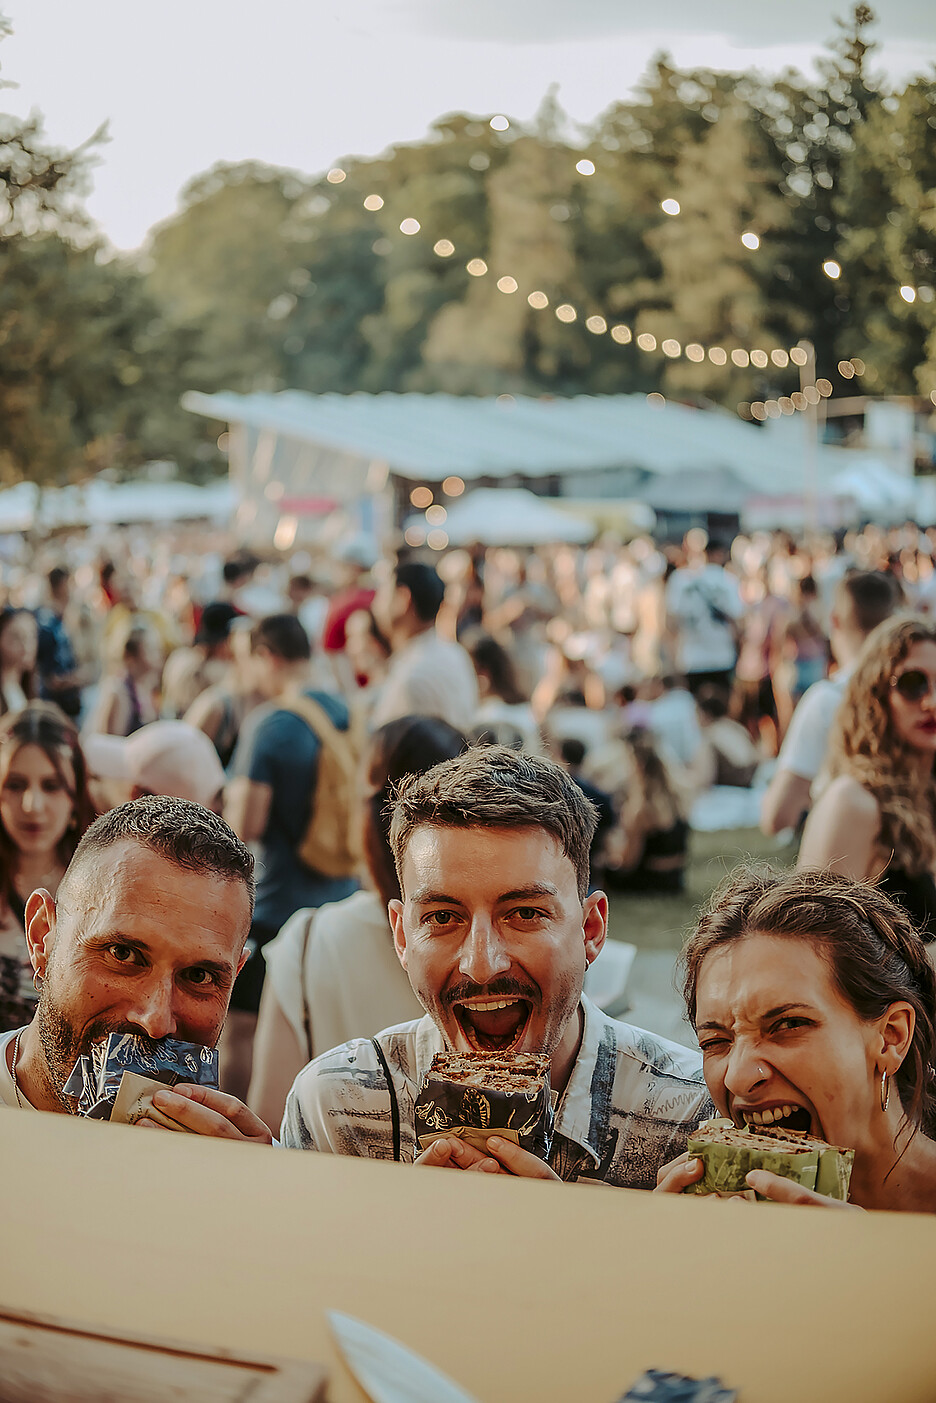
429	677
354	984
695	597
7	1089
804	746
675	722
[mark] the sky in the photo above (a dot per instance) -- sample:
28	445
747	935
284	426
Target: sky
302	83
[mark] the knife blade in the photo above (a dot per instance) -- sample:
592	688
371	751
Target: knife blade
386	1370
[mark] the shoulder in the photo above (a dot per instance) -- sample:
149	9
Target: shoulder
357	1059
658	1056
844	796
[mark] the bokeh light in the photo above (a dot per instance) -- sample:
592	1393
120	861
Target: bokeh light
908	293
499	124
437	540
444	248
566	312
409	226
336	175
436	516
832	269
476	267
824	387
780	358
538	300
621	334
760	359
596	324
373	202
670	206
414	536
695	352
798	356
646	341
717	355
421	497
656	399
453	487
740	357
507	284
846	370
585	167
811	394
671	348
750	239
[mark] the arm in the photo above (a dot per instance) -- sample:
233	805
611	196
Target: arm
785	800
205	714
277	1059
247	807
842	830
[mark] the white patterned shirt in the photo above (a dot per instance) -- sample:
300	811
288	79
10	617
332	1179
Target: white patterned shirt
629	1104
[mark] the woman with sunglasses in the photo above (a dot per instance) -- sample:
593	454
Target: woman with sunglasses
876	818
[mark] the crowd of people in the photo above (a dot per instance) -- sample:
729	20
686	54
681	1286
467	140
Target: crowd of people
336	812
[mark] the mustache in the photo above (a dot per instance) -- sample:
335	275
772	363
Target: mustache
497	989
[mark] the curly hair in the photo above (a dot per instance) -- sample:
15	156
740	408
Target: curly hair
865	744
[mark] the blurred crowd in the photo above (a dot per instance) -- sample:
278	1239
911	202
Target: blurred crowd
762	677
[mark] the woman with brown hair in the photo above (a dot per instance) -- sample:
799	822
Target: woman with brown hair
332	973
44	809
19	641
814	1002
876	819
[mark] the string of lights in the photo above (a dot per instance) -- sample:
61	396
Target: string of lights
620	332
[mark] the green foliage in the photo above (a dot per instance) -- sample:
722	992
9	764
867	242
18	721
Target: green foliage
268	279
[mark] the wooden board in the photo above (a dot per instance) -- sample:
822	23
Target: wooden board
46	1359
532	1292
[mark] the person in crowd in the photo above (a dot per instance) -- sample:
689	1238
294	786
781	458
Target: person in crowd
674	720
427	675
60	678
704	609
45	807
19	642
501	697
649	852
495	929
220	710
727	754
333	974
236	574
572	755
126	698
366	650
352	563
270	801
805	640
145	937
190	671
876	819
863	599
165	757
814	1002
754	703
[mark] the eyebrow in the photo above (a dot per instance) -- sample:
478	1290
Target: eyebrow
534	890
771	1013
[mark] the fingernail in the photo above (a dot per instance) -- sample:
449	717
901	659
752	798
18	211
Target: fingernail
496	1143
163	1098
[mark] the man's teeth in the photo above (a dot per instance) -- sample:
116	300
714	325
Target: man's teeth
769	1116
488	1007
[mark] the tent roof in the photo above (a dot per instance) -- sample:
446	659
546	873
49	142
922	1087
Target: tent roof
510	516
434	436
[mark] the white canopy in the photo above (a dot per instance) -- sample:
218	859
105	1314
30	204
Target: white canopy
508	516
25	508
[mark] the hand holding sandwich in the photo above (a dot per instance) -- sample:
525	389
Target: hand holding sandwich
202	1110
502	1157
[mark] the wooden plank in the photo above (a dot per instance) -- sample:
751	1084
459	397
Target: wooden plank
47	1359
518	1290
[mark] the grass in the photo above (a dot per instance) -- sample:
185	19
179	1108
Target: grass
661	922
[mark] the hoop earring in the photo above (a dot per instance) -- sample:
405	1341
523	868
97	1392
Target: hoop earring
885	1091
37	982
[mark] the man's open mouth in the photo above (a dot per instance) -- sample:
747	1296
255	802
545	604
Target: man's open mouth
786	1116
494	1025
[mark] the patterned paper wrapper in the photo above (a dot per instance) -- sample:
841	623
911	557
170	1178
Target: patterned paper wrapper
95	1080
729	1154
474	1113
655	1386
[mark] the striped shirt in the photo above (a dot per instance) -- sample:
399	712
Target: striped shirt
627	1109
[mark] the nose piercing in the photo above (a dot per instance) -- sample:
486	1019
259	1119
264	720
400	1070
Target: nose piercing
760	1069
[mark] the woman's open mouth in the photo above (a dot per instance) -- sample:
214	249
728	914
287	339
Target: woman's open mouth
784	1116
494	1025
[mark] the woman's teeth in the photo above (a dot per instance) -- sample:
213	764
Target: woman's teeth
769	1116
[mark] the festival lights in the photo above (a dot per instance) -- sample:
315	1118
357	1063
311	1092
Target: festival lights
476	267
453	487
908	293
538	300
373	203
598	325
507	284
670	206
443	248
566	312
421	497
499	124
410	226
832	269
750	239
585	167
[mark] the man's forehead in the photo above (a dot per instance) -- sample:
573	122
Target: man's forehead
484	855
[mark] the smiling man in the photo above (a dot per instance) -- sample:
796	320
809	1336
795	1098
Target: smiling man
495	930
146	936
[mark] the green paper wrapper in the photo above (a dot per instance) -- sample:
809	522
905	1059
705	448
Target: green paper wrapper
729	1154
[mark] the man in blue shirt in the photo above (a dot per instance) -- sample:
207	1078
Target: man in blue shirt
59	679
269	803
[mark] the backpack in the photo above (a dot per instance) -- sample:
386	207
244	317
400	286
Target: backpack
330	843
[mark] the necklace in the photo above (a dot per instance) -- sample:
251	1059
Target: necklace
16	1090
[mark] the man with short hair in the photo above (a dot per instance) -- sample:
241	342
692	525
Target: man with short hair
863	599
427	675
60	678
704	611
145	936
495	931
269	801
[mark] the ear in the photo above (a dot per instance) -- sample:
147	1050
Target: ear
39	920
395	912
896	1031
595	924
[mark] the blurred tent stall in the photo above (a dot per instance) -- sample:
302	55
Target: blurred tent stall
300	455
509	516
101	503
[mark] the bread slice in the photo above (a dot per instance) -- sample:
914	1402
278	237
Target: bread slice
730	1153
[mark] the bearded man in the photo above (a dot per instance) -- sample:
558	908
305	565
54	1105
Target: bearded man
145	936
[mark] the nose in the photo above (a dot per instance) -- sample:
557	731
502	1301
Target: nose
153	1011
33	799
745	1070
483	956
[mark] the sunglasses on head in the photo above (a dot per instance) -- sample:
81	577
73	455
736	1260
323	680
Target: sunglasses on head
914	684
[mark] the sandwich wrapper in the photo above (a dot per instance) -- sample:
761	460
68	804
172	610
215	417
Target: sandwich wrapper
117	1080
655	1386
479	1094
729	1154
